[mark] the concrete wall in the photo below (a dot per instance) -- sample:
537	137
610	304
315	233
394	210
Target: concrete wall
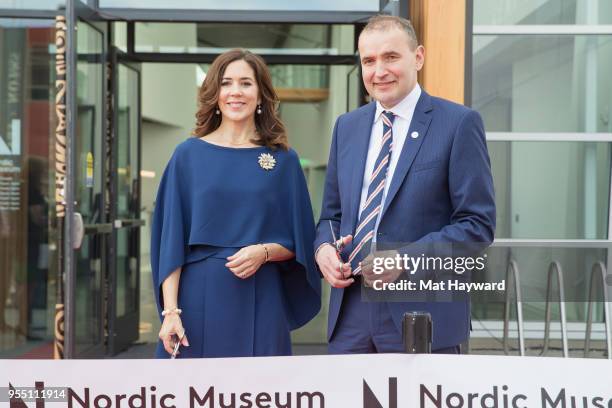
169	103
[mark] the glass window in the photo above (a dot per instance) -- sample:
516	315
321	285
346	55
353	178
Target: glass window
315	39
32	4
544	83
513	12
291	81
551	190
246	5
89	186
120	35
27	187
127	189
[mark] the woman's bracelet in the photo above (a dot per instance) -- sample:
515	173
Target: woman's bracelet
267	254
176	310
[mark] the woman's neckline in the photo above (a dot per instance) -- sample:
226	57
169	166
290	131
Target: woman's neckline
228	147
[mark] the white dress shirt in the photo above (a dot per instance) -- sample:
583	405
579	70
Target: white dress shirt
403	112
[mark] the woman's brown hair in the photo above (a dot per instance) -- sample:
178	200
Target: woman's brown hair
271	131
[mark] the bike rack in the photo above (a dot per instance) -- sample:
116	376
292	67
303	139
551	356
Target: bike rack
555	270
514	271
598	271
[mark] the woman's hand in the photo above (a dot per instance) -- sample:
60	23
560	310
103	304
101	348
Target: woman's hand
247	260
171	329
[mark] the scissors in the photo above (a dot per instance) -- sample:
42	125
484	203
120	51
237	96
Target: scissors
337	243
176	346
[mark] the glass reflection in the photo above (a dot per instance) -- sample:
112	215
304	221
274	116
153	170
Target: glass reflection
127	239
32	4
551	190
247	5
510	12
88	186
27	229
215	38
544	83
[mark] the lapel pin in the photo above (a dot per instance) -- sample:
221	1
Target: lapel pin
414	135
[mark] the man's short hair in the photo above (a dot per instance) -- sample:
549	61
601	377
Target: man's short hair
384	22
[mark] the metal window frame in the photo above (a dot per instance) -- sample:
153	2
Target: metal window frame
234	16
548	137
549	29
535	329
468	53
71	109
29	14
117	222
552	243
269	58
77	10
204	58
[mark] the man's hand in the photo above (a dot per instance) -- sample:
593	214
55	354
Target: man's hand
338	274
387	276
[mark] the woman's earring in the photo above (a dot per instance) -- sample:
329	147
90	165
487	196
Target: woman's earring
259	109
217	112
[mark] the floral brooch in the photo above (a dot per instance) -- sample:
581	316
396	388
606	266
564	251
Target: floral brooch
267	161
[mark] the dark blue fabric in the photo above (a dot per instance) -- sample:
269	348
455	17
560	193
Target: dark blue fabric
212	201
364	327
368	327
441	192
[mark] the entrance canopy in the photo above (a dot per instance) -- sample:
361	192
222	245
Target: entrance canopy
321	11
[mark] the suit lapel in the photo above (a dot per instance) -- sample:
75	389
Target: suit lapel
359	151
420	124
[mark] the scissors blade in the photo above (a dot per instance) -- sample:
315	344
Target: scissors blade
332	231
337	243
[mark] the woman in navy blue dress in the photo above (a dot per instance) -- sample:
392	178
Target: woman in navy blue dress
231	247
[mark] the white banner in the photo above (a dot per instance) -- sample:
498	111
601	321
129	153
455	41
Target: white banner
356	381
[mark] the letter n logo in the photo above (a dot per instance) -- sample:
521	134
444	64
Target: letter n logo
370	400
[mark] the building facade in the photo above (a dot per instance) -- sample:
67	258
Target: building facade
537	71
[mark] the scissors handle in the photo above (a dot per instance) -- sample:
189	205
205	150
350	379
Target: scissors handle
176	346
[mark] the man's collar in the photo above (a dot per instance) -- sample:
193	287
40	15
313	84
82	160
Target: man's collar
404	108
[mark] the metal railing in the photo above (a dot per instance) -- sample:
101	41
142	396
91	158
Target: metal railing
555	270
513	271
598	272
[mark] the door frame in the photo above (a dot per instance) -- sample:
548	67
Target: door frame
77	10
119	328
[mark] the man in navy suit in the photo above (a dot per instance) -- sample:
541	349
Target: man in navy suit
405	168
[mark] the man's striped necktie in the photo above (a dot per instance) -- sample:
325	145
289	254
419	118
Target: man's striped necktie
372	207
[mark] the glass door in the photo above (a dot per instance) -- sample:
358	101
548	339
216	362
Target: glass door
28	267
90	229
124	302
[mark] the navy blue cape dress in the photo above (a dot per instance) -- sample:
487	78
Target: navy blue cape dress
212	201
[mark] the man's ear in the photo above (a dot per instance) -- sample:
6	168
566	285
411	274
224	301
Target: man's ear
420	57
